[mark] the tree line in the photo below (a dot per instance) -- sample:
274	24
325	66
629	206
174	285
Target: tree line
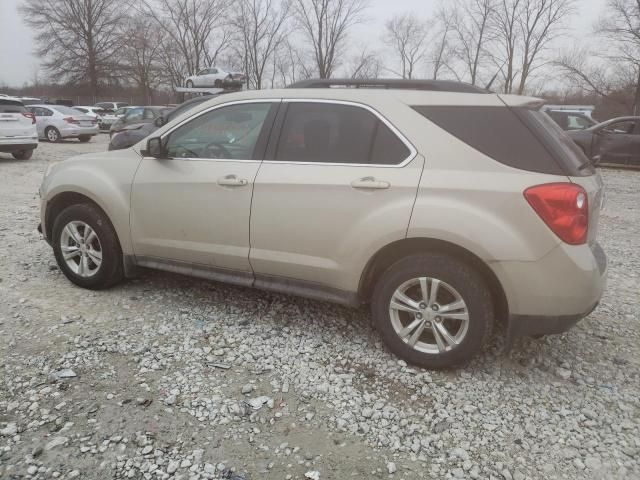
510	46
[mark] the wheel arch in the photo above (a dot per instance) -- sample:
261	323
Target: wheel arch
391	253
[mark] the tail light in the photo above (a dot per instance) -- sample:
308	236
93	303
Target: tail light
31	116
71	120
564	208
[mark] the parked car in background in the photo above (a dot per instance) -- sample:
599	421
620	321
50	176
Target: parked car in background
571	120
614	142
445	209
132	134
57	122
137	115
113	106
104	119
18	134
215	77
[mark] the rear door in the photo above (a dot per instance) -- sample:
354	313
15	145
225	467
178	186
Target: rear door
13	122
337	179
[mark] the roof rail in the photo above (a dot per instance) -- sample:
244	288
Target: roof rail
387	83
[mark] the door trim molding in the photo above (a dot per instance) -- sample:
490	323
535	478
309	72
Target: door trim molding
273	283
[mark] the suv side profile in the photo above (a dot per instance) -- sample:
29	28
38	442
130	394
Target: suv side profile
443	207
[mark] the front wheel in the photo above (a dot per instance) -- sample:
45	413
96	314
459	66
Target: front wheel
23	154
189	84
433	310
86	247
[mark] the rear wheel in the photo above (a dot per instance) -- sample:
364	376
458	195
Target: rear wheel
189	84
86	247
52	134
84	138
23	154
433	310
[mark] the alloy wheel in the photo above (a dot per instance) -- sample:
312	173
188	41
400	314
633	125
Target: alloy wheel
81	249
429	315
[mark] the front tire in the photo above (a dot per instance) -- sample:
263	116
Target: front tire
433	310
189	84
52	134
86	247
23	154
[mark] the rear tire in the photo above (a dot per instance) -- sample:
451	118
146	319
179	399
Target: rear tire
189	84
84	138
23	154
455	282
103	267
52	134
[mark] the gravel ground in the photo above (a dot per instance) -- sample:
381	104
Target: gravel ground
170	377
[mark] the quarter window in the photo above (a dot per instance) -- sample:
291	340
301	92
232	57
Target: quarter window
224	133
336	133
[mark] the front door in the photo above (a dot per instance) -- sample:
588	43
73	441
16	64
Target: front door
193	206
618	142
339	180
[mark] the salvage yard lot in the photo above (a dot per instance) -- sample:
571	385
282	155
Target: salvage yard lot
183	378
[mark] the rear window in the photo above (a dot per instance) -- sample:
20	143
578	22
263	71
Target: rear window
518	137
11	106
64	109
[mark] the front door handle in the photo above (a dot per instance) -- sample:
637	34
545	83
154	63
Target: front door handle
232	181
370	183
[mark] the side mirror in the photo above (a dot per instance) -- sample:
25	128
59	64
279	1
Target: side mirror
155	148
159	122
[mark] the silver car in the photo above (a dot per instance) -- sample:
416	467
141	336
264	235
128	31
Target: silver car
445	208
57	122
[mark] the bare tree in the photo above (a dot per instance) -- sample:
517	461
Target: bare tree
325	25
262	28
142	54
194	33
290	65
442	50
78	39
472	25
366	64
540	22
505	29
406	35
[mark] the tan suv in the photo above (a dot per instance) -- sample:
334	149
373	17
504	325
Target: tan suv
444	207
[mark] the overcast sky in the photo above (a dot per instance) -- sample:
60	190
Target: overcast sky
18	64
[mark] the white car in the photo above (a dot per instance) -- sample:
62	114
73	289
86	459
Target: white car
105	118
111	105
55	122
18	134
215	77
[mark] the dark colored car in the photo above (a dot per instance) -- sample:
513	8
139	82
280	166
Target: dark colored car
616	141
571	120
137	115
132	134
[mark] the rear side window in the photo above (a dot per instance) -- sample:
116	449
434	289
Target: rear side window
336	133
497	132
11	106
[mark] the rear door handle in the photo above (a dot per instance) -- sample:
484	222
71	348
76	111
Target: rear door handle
370	183
232	181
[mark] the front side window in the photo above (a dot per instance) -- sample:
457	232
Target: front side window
224	133
335	133
578	122
621	128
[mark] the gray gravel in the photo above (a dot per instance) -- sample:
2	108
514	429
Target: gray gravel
171	377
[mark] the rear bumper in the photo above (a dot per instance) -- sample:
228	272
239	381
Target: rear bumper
529	325
558	289
74	132
16	147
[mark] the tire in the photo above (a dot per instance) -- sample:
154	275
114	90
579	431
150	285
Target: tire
457	281
52	134
110	270
189	84
23	154
84	138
